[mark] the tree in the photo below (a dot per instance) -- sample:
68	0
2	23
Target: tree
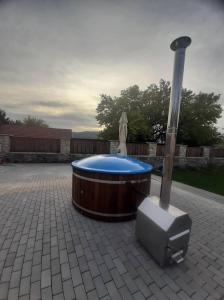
147	113
34	122
3	118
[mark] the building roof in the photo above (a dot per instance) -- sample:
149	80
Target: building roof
33	132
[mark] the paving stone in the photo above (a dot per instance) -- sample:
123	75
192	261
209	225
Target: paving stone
46	262
83	265
65	271
144	289
35	292
55	266
24	286
25	297
68	290
88	282
6	274
113	291
108	261
15	279
10	258
73	262
119	265
45	278
4	290
37	256
80	292
138	296
92	295
56	284
59	297
27	269
130	283
93	268
125	294
63	256
105	274
119	282
36	273
76	276
100	287
46	293
13	294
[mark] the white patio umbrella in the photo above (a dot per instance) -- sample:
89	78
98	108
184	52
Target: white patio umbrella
123	131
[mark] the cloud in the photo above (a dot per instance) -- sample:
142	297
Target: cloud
58	56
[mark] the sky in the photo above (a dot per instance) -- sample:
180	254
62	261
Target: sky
58	56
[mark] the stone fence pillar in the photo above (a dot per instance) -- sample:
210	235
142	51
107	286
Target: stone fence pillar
114	147
152	149
4	144
65	146
182	150
206	151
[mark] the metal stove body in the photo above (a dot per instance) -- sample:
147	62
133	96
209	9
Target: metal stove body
164	233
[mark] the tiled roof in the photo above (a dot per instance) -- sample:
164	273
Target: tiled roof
25	131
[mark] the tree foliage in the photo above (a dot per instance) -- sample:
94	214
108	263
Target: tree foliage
147	113
3	118
28	121
34	122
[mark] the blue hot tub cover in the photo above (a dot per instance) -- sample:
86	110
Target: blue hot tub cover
112	164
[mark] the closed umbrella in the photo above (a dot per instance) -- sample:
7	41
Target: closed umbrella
123	131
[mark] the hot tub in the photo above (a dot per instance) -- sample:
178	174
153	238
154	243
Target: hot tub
110	187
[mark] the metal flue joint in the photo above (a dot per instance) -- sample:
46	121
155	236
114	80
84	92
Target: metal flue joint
179	45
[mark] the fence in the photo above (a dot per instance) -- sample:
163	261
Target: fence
93	146
24	144
160	150
81	146
194	152
216	152
137	149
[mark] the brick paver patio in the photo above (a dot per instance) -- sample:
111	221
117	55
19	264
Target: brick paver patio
50	251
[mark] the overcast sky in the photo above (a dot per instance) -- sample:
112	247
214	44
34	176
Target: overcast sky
58	56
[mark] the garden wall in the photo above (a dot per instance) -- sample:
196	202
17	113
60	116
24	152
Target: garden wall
23	150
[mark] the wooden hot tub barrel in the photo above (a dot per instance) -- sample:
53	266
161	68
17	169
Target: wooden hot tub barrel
110	187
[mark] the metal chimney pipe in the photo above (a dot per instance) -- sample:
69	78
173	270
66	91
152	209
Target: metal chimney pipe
179	45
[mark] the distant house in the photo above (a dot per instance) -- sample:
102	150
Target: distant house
34	132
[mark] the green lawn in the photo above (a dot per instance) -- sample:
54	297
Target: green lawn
208	179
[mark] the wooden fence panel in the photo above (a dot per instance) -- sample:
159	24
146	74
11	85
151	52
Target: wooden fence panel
25	144
137	149
160	150
194	152
84	146
177	150
216	152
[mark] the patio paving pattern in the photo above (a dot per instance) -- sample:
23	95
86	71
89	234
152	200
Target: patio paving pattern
48	250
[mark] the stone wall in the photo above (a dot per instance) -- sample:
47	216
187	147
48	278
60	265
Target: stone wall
64	146
156	161
4	143
66	157
114	147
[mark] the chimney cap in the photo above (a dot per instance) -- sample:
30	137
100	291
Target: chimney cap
181	42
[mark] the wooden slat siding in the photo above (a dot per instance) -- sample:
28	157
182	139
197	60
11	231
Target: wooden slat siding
137	149
84	146
25	144
194	152
160	150
216	152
